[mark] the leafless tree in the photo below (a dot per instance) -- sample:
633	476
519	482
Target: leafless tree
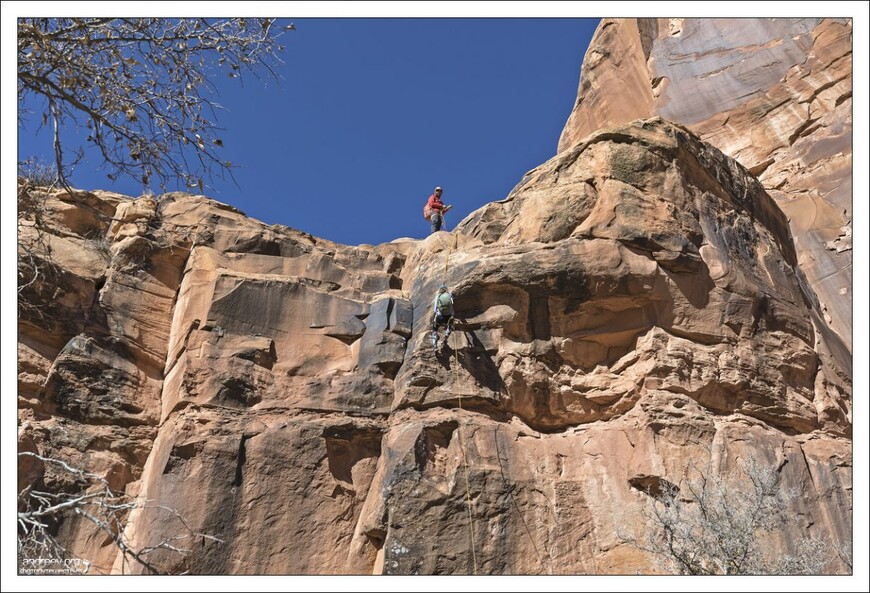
141	87
712	526
36	267
40	513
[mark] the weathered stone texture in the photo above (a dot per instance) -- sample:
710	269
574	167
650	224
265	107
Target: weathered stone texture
775	94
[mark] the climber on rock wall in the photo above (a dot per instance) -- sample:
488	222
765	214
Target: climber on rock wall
443	314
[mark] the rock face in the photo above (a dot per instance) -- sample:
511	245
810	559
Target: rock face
633	309
775	94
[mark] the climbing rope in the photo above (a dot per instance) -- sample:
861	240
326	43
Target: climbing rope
465	466
544	561
447	258
469	505
468	502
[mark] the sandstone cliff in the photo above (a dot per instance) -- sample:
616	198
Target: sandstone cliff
775	94
632	308
640	305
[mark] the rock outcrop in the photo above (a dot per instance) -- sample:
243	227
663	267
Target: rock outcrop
632	310
775	94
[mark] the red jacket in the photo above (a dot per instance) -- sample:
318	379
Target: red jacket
435	203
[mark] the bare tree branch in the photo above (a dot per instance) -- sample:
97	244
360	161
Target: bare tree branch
142	88
41	512
721	527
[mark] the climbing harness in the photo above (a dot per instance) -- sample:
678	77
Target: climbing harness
443	282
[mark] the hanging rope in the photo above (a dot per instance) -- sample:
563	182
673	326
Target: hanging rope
468	502
465	466
469	505
447	258
543	560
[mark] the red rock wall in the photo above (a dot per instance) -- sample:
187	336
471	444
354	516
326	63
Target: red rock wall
775	94
634	309
648	316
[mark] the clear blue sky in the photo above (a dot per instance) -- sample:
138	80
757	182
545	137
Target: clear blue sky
372	114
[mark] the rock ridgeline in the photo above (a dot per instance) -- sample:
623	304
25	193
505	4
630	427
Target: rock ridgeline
634	308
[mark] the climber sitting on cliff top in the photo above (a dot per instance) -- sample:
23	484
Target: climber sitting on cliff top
443	314
435	209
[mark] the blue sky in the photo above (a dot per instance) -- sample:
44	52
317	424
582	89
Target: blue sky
372	114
